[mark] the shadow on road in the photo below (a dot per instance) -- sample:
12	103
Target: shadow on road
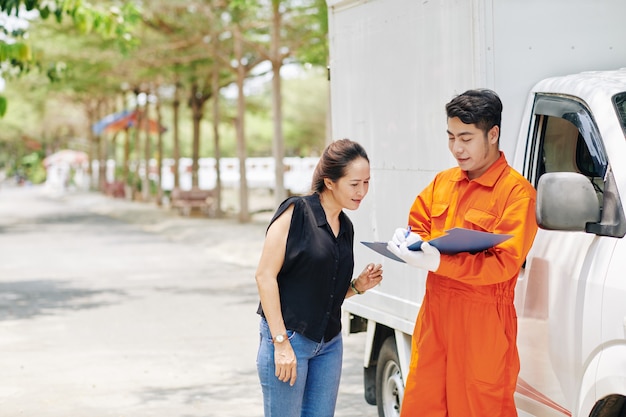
30	299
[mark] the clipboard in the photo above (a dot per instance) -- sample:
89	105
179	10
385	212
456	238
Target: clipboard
455	241
381	247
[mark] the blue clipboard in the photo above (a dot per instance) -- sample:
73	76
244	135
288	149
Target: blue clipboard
381	247
455	240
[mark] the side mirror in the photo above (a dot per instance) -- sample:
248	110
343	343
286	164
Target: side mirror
566	201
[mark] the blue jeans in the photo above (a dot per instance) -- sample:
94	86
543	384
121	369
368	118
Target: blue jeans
318	372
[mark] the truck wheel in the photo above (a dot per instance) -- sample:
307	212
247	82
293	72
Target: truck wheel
611	406
389	383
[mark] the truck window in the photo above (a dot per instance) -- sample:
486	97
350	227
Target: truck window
563	149
565	139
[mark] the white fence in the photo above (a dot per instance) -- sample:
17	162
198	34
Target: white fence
260	173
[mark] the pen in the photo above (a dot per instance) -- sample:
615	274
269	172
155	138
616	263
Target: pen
415	245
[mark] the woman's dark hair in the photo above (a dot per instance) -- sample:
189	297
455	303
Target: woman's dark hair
481	107
332	165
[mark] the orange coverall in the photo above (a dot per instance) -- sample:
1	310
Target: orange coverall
464	359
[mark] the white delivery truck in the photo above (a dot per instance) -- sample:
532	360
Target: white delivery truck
393	66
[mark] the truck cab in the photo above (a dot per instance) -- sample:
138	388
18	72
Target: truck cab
570	295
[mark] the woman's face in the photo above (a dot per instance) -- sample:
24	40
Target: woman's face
350	189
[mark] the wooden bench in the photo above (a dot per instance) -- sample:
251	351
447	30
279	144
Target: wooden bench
187	200
115	189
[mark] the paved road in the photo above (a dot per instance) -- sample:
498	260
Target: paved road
123	309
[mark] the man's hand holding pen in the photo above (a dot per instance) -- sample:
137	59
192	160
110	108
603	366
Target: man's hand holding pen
402	235
428	257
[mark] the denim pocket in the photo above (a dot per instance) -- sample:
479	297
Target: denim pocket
264	330
291	334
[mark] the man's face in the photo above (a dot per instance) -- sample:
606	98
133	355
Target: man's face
473	150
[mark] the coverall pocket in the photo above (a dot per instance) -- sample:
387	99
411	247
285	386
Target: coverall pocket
481	220
487	347
438	214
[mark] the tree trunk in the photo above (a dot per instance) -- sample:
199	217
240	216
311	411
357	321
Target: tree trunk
126	164
278	147
92	112
112	152
104	143
159	153
244	214
100	155
147	154
139	121
215	88
101	148
176	150
329	113
196	108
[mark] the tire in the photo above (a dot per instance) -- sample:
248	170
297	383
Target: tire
389	382
611	406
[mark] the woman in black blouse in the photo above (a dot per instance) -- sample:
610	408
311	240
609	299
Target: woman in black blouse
303	276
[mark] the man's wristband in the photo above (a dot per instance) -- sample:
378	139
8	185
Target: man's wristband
357	292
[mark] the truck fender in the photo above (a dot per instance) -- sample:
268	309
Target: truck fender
605	376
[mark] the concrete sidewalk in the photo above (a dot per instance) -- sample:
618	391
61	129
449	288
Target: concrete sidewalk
225	235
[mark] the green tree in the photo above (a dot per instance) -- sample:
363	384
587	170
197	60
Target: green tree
297	34
191	32
193	48
87	74
109	20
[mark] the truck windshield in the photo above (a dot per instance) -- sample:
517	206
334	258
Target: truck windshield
619	100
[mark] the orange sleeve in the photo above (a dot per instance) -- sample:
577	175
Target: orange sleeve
419	216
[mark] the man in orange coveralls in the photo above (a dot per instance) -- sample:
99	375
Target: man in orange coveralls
464	360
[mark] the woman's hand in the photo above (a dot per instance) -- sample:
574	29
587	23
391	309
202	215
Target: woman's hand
285	362
369	278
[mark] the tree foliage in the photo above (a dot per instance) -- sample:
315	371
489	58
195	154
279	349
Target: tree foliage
206	51
110	20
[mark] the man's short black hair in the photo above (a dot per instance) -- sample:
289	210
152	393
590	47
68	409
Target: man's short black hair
481	107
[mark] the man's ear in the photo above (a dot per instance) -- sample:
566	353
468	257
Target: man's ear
494	135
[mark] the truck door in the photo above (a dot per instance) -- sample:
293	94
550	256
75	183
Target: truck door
558	294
